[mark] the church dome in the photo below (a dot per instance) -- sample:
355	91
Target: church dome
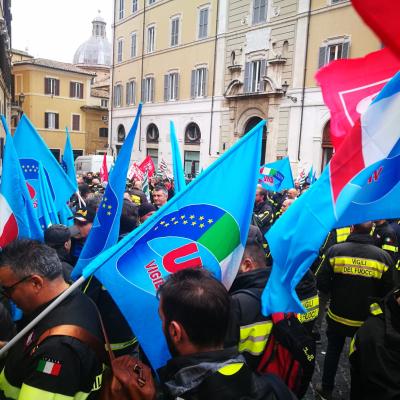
97	50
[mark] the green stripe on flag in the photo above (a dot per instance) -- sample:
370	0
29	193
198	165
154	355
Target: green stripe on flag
41	365
222	238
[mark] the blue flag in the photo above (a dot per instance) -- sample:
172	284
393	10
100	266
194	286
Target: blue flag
199	227
68	161
276	176
346	188
18	219
179	175
31	150
105	230
311	176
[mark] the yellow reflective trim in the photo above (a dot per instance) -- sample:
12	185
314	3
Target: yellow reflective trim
342	234
312	306
344	321
389	247
352	346
32	393
10	391
253	338
358	266
122	345
398	265
375	309
230	369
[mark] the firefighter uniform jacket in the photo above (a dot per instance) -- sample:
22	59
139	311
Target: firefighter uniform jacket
61	367
375	353
352	272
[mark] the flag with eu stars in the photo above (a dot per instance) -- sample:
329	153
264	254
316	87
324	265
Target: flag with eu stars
179	175
204	225
105	229
31	150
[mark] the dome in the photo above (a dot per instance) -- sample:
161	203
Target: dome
97	50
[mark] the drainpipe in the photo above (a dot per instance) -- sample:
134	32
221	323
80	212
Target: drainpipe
112	85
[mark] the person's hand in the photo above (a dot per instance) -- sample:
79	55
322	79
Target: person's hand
134	377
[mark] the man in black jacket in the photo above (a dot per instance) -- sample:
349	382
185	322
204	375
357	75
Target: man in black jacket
351	273
262	210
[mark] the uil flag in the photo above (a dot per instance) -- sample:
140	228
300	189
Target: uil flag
199	227
105	230
147	165
135	172
104	170
276	176
18	219
179	175
349	177
349	86
31	150
68	160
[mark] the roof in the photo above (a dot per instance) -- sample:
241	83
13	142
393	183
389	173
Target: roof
99	93
21	53
43	62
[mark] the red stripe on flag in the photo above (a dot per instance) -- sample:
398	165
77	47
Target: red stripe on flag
55	371
10	231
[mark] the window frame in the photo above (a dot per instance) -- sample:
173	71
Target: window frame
133	45
201	82
103	129
121	9
151	44
53	85
323	55
135	6
259	19
187	159
120	50
56	120
171	86
148	89
76	93
117	90
188	140
72	122
174	39
131	92
201	35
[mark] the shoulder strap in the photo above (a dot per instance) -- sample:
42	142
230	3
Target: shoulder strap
78	333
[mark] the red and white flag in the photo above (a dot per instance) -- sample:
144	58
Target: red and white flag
349	86
104	170
147	165
135	173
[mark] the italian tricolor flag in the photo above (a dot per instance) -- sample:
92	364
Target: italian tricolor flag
49	367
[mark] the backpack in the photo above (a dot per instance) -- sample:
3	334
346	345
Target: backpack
289	352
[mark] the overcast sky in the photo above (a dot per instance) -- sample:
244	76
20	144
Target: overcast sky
55	28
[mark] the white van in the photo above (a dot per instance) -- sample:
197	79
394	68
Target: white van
92	163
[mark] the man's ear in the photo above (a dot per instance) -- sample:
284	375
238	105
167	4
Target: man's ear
176	331
247	265
37	282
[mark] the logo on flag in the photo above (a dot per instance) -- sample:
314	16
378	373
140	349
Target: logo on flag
271	177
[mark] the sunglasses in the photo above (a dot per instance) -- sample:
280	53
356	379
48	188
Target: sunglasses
7	290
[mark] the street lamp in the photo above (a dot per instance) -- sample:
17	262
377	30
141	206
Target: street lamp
21	99
285	87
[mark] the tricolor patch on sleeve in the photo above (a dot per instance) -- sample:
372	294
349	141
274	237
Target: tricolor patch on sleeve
49	367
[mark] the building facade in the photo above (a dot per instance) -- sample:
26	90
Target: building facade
169	54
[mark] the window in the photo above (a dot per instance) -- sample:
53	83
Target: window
191	161
130	93
332	51
104	103
199	83
171	86
152	134
203	23
134	6
153	153
150	39
76	122
77	153
152	1
56	153
174	31
103	132
52	86
337	1
253	76
121	8
259	11
118	95
121	133
327	147
120	46
148	90
192	134
133	45
76	90
50	120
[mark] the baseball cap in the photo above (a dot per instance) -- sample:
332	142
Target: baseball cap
56	235
85	214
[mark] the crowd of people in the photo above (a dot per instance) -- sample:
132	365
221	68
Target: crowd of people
221	345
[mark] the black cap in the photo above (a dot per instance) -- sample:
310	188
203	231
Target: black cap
85	214
145	209
56	235
254	236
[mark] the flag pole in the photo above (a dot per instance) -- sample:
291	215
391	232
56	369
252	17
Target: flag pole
43	314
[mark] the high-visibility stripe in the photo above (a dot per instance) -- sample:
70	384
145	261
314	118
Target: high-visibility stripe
352	345
230	369
31	393
375	309
358	266
398	265
344	321
342	234
122	345
389	247
312	306
10	391
254	337
320	264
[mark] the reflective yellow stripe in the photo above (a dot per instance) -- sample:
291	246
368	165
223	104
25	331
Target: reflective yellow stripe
342	234
375	309
253	338
312	306
123	345
10	391
230	369
398	265
352	346
388	247
32	393
344	321
358	266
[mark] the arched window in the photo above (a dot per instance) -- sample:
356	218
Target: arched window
152	134
121	133
192	134
250	124
327	147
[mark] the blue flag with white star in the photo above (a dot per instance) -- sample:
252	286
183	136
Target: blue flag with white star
201	226
31	150
105	230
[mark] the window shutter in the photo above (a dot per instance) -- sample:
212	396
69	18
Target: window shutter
152	89
166	88
143	89
133	100
81	92
56	121
322	56
46	120
127	94
205	82
46	86
57	87
263	70
193	85
247	77
346	50
177	86
71	89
